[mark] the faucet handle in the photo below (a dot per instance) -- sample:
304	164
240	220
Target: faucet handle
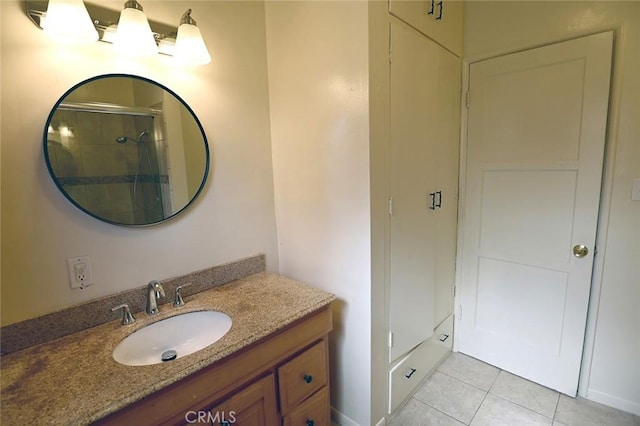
177	300
127	316
156	286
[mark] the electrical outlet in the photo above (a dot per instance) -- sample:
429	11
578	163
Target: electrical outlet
80	275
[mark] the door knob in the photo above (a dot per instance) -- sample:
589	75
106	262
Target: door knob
580	250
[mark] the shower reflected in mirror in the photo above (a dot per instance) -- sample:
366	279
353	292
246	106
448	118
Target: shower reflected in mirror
147	176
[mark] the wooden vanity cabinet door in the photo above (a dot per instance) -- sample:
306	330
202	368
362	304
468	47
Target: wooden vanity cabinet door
312	412
302	376
254	405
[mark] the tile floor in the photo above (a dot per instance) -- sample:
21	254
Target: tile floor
465	391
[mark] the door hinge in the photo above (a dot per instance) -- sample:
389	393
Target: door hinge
459	313
390	207
391	339
468	99
390	43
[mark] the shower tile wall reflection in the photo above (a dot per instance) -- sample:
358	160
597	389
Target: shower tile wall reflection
118	180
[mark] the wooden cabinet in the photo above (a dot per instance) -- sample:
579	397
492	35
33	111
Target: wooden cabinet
241	389
440	20
254	405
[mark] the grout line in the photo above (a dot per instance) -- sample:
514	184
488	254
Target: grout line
486	392
485	396
555	411
479	406
462	381
495	380
522	406
440	411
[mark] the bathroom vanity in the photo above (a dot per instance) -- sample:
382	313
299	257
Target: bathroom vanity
270	368
243	387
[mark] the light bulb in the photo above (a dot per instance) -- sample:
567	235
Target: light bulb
69	21
190	48
133	35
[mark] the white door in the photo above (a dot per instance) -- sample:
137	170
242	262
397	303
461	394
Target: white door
535	144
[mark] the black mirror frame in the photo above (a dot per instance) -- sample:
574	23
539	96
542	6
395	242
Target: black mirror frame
84	209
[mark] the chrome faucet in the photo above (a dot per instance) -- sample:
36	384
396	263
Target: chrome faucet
154	292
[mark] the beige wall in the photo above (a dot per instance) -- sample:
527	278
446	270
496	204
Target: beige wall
318	90
233	218
611	370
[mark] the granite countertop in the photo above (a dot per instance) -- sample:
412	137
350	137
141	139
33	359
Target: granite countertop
75	380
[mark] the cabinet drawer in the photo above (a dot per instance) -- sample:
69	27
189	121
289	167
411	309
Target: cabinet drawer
410	371
302	376
312	412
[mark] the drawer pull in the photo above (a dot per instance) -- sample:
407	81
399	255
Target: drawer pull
410	373
308	378
310	422
443	337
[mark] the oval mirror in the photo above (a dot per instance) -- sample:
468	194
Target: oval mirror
126	150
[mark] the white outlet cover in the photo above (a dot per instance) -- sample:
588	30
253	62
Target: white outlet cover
80	263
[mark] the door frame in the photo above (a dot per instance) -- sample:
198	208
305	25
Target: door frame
605	192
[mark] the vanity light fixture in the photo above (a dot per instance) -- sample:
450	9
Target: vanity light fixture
69	21
190	48
128	30
133	35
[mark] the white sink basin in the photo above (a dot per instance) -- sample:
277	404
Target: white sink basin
172	338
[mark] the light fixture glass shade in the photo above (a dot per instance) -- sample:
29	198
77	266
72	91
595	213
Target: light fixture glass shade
133	35
69	21
190	48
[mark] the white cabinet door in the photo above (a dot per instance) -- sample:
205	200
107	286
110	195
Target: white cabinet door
441	20
537	123
418	124
446	152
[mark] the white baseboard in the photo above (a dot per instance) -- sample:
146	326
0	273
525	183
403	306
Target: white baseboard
341	419
632	407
